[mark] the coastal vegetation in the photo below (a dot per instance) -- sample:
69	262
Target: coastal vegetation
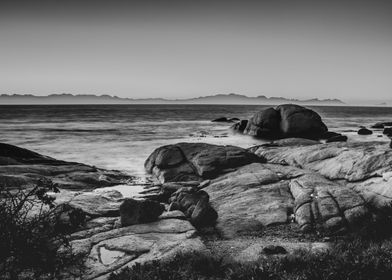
354	258
33	229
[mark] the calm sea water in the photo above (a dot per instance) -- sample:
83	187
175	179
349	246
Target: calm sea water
122	136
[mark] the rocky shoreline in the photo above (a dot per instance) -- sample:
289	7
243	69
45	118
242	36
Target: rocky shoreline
221	200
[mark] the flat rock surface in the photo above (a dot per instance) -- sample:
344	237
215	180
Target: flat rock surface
20	167
98	204
352	161
116	248
254	196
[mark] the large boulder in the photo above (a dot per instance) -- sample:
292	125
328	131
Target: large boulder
134	212
265	124
300	121
284	121
195	161
21	168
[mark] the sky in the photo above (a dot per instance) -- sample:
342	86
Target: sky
180	49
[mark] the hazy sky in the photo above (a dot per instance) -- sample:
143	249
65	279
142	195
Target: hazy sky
177	49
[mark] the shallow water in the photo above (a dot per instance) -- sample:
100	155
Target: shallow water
133	191
122	136
109	256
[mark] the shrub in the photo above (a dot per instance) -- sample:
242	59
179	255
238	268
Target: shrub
32	230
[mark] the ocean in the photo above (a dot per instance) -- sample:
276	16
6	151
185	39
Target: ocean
122	136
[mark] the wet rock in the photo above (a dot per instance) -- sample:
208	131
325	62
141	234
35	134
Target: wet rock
139	211
240	126
381	125
195	161
338	138
364	131
329	134
224	119
387	131
20	168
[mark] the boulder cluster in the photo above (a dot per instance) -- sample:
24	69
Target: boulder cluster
291	120
331	187
254	201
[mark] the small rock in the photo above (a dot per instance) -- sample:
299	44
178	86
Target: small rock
339	138
364	131
139	211
378	126
387	131
203	214
240	126
329	134
381	125
274	250
223	119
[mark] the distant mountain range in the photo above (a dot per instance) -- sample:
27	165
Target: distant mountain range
231	98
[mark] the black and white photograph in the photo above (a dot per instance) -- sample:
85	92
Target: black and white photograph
211	140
